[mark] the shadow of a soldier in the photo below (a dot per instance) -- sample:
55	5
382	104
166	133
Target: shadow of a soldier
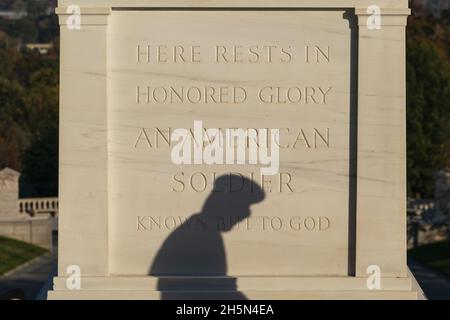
195	251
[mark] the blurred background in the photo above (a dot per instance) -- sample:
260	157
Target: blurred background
29	76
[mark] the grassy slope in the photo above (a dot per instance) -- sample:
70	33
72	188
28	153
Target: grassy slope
435	255
14	253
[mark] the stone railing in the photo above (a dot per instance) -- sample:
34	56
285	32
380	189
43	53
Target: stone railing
35	206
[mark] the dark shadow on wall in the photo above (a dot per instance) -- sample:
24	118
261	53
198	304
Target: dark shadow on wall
353	142
196	248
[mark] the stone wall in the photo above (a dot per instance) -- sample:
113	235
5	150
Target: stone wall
9	193
37	231
429	220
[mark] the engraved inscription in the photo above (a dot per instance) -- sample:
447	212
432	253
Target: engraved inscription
231	54
295	139
262	223
304	95
200	182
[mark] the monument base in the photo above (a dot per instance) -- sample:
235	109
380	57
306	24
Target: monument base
229	288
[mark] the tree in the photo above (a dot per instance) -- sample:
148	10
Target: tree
428	107
13	137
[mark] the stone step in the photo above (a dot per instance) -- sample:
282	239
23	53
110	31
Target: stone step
223	295
272	284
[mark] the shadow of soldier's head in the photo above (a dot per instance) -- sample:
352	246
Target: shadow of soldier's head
230	201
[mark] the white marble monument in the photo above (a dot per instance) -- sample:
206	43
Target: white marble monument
328	223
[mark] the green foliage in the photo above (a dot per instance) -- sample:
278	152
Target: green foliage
13	253
23	29
48	28
12	5
34	6
435	255
40	163
37	26
29	101
13	136
7	62
428	103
